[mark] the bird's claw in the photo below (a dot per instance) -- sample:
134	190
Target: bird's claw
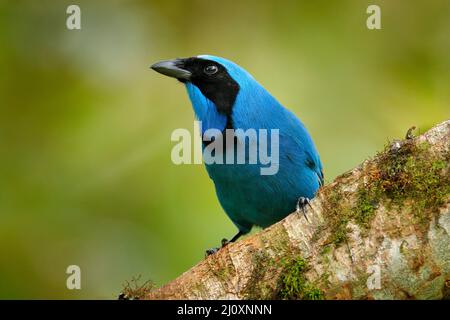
211	251
224	242
302	202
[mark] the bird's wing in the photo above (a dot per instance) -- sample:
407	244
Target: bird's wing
315	165
300	142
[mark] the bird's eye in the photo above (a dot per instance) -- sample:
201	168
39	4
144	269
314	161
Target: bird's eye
211	69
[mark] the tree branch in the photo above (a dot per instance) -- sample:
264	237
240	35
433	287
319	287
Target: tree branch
380	231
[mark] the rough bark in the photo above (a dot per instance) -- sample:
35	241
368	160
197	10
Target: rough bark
389	217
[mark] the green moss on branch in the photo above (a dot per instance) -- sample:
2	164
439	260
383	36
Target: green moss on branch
295	286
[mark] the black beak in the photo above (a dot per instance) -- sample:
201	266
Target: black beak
172	68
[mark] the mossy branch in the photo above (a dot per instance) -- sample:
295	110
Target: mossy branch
380	231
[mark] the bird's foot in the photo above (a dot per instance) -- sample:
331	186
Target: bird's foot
211	251
224	242
214	250
302	202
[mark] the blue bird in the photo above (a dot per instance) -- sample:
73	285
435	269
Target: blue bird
225	96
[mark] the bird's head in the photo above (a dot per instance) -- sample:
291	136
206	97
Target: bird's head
216	78
214	85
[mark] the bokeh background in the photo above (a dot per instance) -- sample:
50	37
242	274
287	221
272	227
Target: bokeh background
85	170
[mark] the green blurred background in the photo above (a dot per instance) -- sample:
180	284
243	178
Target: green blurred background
85	170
